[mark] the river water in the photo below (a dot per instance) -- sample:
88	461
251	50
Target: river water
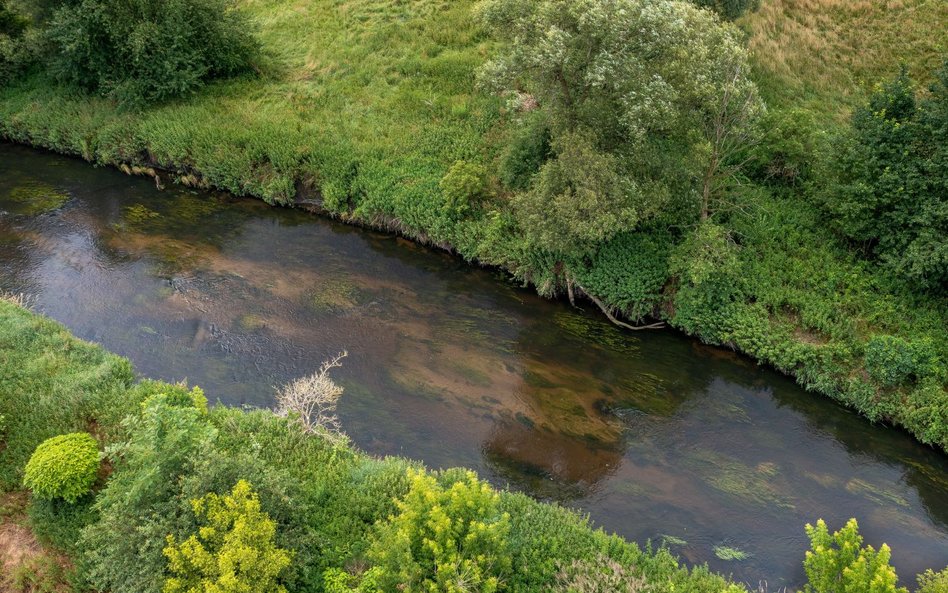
654	435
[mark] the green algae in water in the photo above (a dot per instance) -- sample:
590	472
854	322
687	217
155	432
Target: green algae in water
471	375
34	198
729	553
337	295
671	540
876	494
138	215
251	323
730	476
596	331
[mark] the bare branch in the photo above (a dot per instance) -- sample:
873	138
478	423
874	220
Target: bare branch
613	319
311	401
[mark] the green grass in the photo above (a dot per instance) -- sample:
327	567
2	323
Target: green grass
363	105
51	384
826	54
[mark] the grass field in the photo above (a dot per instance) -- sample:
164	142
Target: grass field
825	54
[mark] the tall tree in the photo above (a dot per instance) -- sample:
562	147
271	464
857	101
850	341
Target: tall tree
644	102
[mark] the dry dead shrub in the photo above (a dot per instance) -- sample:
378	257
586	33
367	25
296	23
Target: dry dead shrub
312	401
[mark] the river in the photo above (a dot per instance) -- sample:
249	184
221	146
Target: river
654	435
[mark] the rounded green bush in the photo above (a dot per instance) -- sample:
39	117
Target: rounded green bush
63	467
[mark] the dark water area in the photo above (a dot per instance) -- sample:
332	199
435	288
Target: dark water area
654	435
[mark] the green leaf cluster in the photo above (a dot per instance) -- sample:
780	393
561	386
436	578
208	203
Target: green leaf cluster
64	466
838	563
234	550
443	538
892	196
143	51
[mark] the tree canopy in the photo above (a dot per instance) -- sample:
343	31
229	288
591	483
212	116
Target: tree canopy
642	102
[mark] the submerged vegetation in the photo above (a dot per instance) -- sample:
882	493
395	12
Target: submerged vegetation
197	498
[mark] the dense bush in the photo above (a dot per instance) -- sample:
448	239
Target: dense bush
63	467
145	50
233	551
892	198
450	538
60	523
933	582
463	186
892	360
838	563
15	45
140	505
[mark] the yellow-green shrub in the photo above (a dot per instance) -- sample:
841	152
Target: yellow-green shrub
450	539
838	563
234	550
64	467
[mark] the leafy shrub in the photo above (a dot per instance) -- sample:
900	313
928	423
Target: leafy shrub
63	467
142	504
628	272
602	575
708	270
449	538
234	549
787	153
526	153
14	43
933	582
891	198
892	360
177	395
463	186
11	22
838	563
60	523
145	50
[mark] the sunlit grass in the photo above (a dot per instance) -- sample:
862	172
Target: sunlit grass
828	53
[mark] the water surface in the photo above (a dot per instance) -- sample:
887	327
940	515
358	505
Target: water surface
653	434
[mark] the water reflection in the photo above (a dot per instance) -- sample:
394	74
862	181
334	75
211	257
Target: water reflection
656	436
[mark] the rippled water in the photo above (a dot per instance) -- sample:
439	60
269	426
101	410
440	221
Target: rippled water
653	434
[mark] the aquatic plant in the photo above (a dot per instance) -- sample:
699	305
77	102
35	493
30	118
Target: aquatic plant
34	197
728	553
672	540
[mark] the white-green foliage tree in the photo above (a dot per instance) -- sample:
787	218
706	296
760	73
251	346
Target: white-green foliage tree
646	103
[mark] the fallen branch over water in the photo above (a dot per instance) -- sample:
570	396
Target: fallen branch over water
608	313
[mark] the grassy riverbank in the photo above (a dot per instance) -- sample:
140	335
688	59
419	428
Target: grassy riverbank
325	498
361	107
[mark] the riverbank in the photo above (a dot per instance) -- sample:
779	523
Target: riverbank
361	114
324	497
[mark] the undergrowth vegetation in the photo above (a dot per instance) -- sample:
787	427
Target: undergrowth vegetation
709	198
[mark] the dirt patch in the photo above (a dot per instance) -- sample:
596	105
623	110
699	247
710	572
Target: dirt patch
25	565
